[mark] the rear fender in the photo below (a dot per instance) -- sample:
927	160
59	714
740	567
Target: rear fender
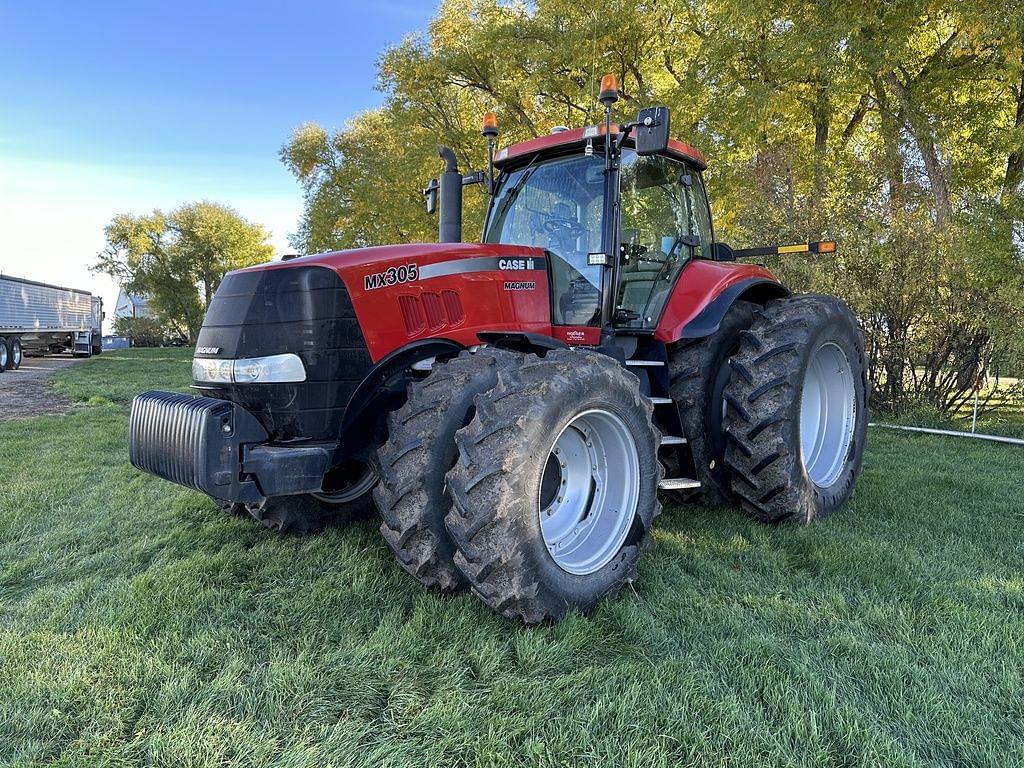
755	290
704	292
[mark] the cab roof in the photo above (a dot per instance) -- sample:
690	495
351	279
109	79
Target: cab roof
509	154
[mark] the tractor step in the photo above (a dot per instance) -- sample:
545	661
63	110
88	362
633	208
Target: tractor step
672	440
645	363
661	400
678	484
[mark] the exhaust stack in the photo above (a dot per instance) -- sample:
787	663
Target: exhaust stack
450	192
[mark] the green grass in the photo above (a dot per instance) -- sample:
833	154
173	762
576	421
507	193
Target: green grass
139	625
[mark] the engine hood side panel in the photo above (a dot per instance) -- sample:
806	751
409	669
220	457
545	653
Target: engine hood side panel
407	293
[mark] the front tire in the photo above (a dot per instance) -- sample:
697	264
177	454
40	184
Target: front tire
555	488
797	416
412	496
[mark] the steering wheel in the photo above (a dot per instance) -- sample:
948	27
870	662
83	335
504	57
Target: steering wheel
556	225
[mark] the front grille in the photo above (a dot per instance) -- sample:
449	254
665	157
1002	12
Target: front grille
300	309
191	441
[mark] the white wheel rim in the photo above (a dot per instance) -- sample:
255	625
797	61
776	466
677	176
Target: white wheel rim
17	355
589	491
828	414
3	356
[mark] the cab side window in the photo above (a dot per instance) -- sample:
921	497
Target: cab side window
661	230
702	214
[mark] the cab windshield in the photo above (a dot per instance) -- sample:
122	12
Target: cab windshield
557	205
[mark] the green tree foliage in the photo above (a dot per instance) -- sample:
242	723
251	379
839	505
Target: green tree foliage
895	128
142	331
178	259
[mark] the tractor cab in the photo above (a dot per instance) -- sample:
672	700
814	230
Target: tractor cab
553	194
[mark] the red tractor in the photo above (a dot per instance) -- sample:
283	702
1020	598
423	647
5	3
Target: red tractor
512	408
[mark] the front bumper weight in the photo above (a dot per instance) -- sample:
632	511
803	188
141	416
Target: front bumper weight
196	442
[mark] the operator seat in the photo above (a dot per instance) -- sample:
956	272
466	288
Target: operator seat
560	241
638	277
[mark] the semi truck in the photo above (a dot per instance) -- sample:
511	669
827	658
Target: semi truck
39	318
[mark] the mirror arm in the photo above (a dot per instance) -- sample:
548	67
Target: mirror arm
624	130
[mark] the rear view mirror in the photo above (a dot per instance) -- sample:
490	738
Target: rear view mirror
652	131
431	194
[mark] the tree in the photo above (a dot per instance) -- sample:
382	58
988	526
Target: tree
178	259
142	331
895	128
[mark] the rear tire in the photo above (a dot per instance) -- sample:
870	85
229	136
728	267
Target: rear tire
5	354
797	417
698	372
412	496
508	477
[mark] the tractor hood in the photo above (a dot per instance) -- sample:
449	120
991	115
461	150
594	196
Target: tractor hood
403	294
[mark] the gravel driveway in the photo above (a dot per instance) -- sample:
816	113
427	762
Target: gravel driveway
27	391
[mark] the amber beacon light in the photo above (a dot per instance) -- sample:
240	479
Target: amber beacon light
609	89
490	125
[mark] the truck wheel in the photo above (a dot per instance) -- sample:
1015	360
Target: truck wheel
14	353
5	354
698	372
412	496
556	485
797	414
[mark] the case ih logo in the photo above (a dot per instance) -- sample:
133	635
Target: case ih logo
515	264
391	276
520	286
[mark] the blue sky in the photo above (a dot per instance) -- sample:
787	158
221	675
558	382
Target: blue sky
109	107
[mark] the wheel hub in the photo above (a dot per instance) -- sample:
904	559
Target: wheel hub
828	414
589	492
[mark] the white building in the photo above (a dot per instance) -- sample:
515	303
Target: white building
129	305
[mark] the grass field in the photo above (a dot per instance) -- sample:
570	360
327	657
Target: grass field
140	625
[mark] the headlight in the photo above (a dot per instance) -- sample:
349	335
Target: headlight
275	369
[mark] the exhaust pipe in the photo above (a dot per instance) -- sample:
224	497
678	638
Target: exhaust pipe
450	192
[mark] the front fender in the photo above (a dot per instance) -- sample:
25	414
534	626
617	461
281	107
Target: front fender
384	385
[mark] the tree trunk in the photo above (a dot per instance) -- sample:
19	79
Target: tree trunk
1015	162
925	141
